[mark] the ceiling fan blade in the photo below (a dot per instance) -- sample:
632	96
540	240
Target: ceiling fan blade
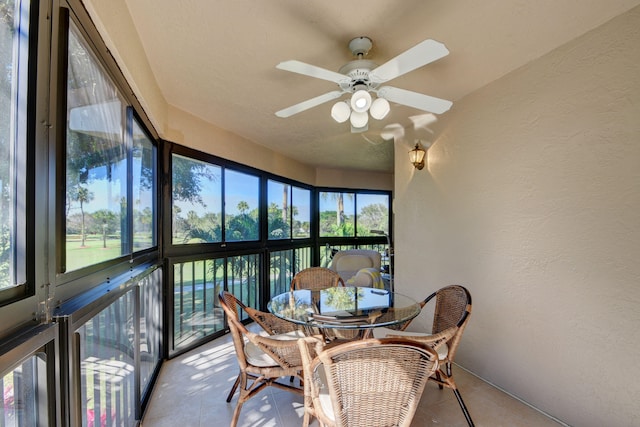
421	54
313	71
309	103
415	100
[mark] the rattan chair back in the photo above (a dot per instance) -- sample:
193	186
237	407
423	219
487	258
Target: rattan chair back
316	278
370	382
452	309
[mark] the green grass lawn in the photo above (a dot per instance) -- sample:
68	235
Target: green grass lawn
93	251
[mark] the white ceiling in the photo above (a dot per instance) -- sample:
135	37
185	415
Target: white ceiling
216	60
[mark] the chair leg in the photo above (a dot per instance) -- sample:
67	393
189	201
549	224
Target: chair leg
439	378
463	407
236	415
234	388
458	396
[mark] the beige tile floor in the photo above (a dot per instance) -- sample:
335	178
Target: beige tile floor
191	391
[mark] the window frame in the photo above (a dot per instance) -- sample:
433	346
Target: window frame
88	276
22	148
339	240
291	217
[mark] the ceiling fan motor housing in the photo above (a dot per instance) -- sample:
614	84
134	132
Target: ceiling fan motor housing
358	72
360	46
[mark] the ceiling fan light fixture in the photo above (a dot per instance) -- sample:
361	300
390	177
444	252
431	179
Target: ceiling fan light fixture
340	111
379	109
361	101
359	120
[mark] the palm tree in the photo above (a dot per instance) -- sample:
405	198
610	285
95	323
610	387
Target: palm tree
285	203
339	198
82	195
243	207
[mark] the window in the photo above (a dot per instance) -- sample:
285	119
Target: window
353	214
373	213
197	201
107	365
14	34
197	211
337	214
110	167
289	211
144	189
241	193
301	213
27	381
279	201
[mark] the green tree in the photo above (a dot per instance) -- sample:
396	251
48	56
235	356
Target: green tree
81	195
340	216
243	207
373	217
187	177
341	299
278	228
104	222
243	226
206	229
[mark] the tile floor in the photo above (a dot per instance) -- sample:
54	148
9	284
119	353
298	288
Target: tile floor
191	391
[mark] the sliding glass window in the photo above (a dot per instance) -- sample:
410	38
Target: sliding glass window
360	213
337	214
14	42
279	200
144	189
288	211
241	195
197	201
300	213
372	214
110	166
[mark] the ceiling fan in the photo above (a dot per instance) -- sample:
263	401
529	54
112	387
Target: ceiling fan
361	77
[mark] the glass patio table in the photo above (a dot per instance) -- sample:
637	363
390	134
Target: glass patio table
344	307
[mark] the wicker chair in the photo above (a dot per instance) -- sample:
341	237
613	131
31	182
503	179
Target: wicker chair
316	278
451	315
365	383
347	263
262	359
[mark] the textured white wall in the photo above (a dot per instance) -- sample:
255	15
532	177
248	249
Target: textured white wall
173	124
354	179
531	199
193	132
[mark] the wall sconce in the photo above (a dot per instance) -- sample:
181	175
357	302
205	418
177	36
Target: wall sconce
416	157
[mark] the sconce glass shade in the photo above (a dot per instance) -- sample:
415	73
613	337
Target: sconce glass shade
416	157
361	101
379	108
340	111
359	120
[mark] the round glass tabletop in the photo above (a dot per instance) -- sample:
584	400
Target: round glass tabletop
344	307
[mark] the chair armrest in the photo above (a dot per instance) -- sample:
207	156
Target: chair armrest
434	341
282	348
271	323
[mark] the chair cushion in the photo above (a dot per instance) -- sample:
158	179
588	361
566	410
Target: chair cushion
323	393
367	277
383	332
256	357
348	265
